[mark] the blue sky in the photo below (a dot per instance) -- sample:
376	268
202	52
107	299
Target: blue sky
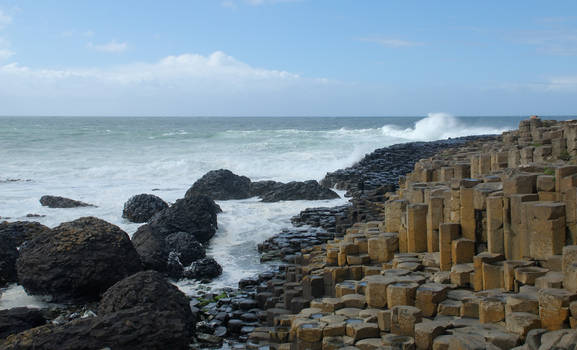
287	57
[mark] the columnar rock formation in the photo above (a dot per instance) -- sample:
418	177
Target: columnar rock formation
477	250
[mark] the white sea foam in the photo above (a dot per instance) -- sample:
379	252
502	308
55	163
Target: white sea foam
438	126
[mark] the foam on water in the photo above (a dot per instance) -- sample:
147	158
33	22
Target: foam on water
105	161
438	126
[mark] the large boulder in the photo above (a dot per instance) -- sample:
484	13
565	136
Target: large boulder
260	188
221	185
193	214
8	257
143	311
77	260
61	202
12	235
204	269
19	319
186	247
149	289
307	190
143	207
169	253
21	231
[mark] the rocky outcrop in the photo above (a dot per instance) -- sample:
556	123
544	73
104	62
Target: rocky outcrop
77	260
21	231
221	185
307	190
147	289
169	253
204	269
186	247
142	311
8	257
194	214
143	207
19	319
61	202
173	239
260	188
12	235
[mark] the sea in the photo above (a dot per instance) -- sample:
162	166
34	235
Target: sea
106	160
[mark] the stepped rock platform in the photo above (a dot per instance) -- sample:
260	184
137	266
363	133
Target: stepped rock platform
477	249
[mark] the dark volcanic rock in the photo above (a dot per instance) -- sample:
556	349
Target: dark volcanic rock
194	214
61	202
142	207
143	311
206	268
383	166
133	329
19	319
21	231
149	289
221	185
77	260
260	188
8	257
151	246
167	254
307	190
186	247
12	235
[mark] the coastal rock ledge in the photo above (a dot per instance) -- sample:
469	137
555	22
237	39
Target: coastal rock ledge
223	184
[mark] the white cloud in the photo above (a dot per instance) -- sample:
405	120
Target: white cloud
112	47
200	84
392	42
5	54
562	83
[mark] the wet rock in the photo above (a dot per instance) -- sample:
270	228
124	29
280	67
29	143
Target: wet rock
151	247
143	207
19	319
206	268
260	188
186	247
20	231
61	202
167	254
77	260
194	214
130	329
142	311
8	257
307	190
221	185
384	165
149	289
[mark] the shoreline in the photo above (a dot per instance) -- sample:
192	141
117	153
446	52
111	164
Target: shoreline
415	279
322	224
369	183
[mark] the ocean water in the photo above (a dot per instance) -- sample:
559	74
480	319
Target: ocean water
105	161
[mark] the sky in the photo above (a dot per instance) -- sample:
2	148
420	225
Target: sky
287	57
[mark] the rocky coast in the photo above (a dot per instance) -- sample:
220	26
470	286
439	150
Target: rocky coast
464	243
474	250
